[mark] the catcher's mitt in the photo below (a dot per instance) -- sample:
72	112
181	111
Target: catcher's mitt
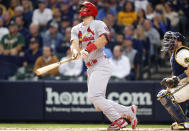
170	82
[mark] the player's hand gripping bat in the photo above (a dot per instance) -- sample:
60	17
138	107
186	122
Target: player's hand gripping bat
47	68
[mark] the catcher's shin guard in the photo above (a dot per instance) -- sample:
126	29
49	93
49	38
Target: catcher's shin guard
187	109
180	126
173	108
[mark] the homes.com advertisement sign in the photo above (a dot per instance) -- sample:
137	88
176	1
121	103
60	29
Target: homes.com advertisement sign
70	102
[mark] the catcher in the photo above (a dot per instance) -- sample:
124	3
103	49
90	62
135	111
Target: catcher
177	86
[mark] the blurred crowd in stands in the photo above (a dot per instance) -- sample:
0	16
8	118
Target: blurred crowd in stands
35	33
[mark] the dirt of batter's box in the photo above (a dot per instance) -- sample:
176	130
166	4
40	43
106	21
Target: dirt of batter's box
80	129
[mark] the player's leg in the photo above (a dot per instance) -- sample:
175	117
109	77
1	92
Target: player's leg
123	110
128	112
97	83
167	100
173	108
187	109
181	94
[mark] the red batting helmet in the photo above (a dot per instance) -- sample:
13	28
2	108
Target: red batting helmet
89	10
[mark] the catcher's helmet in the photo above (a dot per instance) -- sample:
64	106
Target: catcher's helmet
179	37
89	10
168	41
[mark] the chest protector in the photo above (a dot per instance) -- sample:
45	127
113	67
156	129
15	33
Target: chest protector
182	56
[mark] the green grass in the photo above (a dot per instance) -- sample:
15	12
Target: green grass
73	125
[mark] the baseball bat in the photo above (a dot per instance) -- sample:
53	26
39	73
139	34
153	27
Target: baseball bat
47	68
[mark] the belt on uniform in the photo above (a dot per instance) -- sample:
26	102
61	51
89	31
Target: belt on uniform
88	64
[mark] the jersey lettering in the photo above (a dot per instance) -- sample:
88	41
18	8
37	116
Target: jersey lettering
85	39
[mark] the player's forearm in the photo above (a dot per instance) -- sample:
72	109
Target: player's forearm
183	75
187	72
75	49
75	45
101	42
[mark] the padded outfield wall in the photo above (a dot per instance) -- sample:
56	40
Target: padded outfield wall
67	101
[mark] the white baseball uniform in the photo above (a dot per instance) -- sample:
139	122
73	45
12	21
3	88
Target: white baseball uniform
100	71
179	62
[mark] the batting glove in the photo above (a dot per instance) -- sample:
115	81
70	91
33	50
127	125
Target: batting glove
84	53
75	54
90	48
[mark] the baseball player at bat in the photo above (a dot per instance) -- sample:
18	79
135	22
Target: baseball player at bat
177	85
90	37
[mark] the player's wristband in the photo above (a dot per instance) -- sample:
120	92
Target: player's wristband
182	76
91	47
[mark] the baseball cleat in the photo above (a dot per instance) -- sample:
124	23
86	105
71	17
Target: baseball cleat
132	116
117	125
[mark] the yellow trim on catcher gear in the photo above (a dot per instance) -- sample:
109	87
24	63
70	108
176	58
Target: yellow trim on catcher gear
183	123
180	108
185	47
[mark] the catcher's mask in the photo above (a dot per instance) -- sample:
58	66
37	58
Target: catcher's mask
168	42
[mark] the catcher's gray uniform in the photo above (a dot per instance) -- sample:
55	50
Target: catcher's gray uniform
99	69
